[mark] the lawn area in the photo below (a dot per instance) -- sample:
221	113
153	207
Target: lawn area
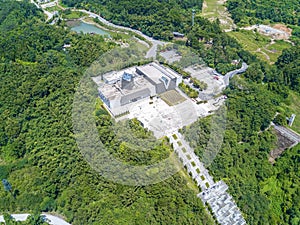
172	97
293	106
252	41
189	181
262	56
71	15
53	8
62	4
279	45
211	8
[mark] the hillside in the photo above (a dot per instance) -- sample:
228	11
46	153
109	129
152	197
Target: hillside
253	12
154	18
38	151
38	154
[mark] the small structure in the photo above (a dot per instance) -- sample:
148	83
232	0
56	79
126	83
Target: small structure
127	81
235	62
291	119
272	32
178	35
66	46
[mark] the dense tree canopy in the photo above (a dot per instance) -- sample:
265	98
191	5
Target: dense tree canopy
252	12
266	194
288	63
38	152
154	18
160	18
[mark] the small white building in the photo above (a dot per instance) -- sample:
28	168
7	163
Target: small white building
291	120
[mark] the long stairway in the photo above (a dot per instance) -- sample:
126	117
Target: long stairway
214	194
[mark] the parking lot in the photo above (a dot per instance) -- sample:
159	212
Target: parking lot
171	56
214	85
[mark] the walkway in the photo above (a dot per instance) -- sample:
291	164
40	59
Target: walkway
214	194
231	74
52	220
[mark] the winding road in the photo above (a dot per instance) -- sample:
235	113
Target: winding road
231	74
154	43
151	52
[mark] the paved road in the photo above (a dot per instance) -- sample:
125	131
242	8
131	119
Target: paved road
231	74
48	14
33	2
53	220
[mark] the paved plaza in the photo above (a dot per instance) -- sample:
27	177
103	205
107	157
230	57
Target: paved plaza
156	115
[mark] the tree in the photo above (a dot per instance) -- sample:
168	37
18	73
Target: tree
36	219
280	120
9	220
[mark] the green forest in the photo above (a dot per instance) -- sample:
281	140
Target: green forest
34	219
217	48
157	18
38	152
252	12
39	156
265	193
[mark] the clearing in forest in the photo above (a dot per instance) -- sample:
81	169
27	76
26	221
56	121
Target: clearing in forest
262	46
213	9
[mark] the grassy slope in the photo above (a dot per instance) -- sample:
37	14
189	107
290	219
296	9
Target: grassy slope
213	9
253	41
293	106
73	15
277	49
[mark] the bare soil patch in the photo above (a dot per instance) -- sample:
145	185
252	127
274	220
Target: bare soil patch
283	143
283	27
204	5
